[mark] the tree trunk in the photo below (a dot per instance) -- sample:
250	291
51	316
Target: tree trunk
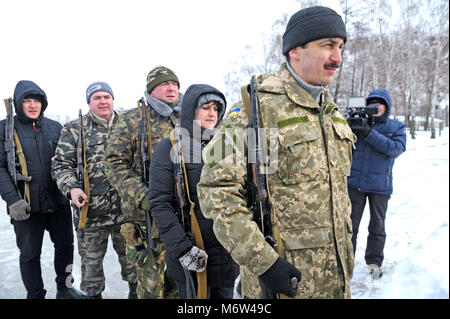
412	127
361	88
353	79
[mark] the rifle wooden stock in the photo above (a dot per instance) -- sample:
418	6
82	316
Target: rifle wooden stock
82	173
189	222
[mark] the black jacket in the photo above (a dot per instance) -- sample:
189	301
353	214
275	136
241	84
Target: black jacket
221	269
38	147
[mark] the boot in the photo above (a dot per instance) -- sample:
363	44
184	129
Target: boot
132	294
69	293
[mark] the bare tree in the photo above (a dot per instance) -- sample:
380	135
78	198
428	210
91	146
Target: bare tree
260	60
438	42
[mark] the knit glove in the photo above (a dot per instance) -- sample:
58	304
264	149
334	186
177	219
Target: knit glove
131	235
195	259
277	279
18	210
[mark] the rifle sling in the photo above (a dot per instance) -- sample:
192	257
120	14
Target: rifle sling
195	228
23	166
86	186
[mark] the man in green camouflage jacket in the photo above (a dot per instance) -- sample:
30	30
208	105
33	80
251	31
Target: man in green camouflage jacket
310	149
125	171
104	215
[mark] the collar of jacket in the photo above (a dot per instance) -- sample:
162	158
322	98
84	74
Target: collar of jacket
103	122
162	108
300	96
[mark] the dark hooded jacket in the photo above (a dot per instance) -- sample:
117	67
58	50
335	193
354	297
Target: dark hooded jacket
221	269
38	146
375	154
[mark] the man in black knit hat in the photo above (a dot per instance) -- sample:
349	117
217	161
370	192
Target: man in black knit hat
307	183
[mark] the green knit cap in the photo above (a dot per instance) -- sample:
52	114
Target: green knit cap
158	75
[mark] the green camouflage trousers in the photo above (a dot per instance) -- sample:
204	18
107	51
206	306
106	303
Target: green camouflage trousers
92	245
153	282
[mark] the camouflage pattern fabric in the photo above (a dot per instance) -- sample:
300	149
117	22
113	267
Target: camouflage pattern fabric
92	245
153	282
123	168
104	216
123	159
309	161
159	75
104	204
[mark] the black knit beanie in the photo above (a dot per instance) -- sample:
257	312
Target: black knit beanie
311	24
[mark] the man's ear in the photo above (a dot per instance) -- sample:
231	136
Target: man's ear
296	53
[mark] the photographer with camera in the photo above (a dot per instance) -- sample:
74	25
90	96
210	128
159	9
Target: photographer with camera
380	141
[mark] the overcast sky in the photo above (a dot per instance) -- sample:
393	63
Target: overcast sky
64	46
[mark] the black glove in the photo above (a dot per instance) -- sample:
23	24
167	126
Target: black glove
366	130
362	131
277	279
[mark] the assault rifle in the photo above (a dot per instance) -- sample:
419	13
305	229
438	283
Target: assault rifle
10	144
184	207
259	202
82	175
144	169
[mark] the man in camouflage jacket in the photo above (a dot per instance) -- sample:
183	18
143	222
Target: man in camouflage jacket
124	170
310	149
104	215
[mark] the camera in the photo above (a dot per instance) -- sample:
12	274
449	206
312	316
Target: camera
359	114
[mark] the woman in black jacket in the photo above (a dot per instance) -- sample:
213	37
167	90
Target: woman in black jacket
203	108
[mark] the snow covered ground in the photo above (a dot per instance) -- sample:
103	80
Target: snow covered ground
416	254
417	244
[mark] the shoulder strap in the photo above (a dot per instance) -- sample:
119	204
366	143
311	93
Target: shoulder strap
23	166
173	119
